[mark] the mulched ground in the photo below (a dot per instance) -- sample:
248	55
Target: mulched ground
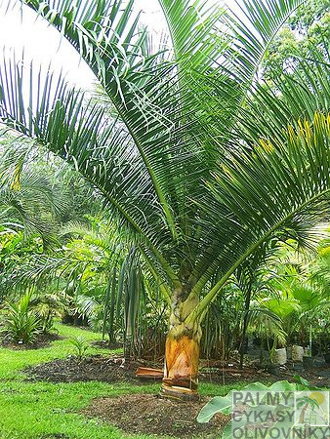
144	413
141	413
42	341
104	344
151	414
112	369
96	367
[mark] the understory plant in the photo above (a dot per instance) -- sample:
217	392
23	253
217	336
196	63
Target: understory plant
47	306
81	347
21	323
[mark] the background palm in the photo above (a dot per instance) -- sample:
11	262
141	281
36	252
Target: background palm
181	153
306	402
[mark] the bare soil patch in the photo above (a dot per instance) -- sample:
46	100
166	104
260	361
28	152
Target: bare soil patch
104	344
42	341
113	368
94	368
145	413
151	414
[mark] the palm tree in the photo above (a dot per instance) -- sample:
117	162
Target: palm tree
30	203
109	265
193	156
314	401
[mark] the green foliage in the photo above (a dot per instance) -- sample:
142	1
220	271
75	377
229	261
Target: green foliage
20	322
164	206
308	14
30	200
49	409
97	278
48	306
221	324
201	164
33	203
223	404
296	294
81	347
308	27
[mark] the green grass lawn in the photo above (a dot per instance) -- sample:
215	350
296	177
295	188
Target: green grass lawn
45	410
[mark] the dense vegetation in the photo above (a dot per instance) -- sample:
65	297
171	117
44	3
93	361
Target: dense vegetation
181	209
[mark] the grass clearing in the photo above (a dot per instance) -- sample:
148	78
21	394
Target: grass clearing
36	410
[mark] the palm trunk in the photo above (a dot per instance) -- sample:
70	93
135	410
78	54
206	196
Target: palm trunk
303	413
247	303
182	353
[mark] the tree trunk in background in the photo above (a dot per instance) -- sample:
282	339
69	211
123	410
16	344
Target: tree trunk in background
182	352
242	345
303	413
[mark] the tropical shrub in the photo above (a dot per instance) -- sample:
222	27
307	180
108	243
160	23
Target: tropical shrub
80	346
21	323
48	306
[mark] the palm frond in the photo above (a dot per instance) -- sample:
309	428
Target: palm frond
254	29
292	200
132	81
194	32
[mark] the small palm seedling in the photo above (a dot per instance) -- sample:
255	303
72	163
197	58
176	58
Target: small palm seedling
81	347
21	323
